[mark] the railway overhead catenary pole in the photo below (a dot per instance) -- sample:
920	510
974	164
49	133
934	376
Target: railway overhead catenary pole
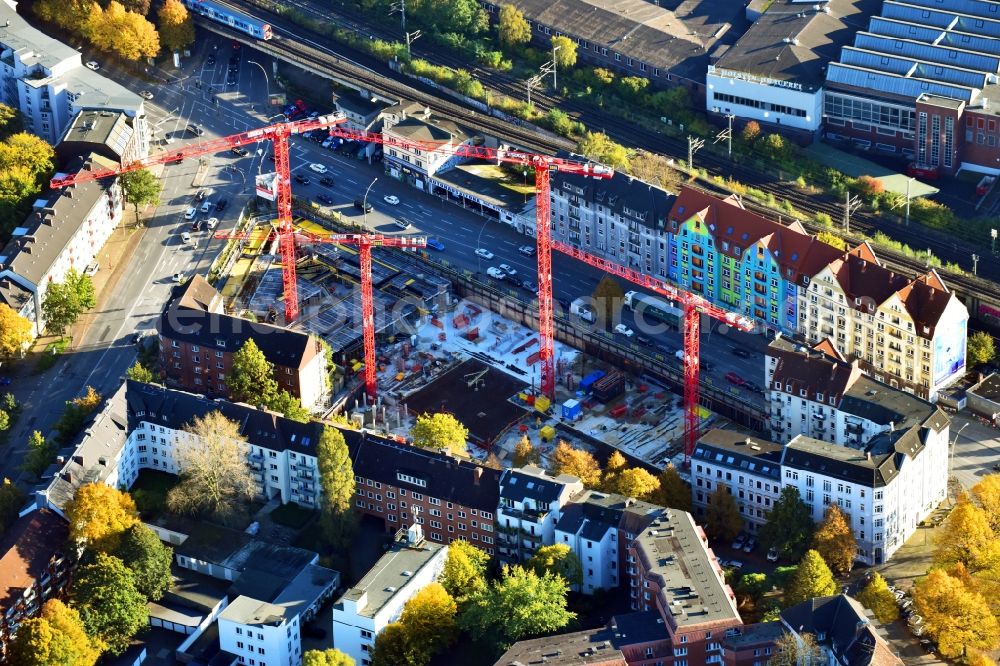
279	135
543	165
693	307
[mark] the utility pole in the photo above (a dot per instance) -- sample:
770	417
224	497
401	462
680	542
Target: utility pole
975	263
908	181
851	204
400	7
533	82
555	82
410	38
993	238
727	134
694	145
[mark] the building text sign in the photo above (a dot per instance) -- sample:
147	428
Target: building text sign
753	78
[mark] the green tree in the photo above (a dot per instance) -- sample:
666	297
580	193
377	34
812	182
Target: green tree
981	348
464	571
140	373
12	499
775	146
336	478
390	646
65	301
519	605
252	377
216	478
288	405
440	431
597	146
54	638
328	657
148	558
608	297
41	454
722	517
834	541
792	650
560	560
958	618
98	517
877	597
564	51
113	610
140	187
176	26
833	239
566	459
76	413
812	579
16	332
673	492
512	28
428	621
525	453
4	420
789	526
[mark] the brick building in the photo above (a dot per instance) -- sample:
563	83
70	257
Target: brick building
198	340
33	568
402	484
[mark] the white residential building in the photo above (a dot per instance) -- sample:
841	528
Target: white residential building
531	504
47	82
377	600
410	122
748	466
65	231
260	633
589	526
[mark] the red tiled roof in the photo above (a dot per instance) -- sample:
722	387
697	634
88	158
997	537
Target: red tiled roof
26	550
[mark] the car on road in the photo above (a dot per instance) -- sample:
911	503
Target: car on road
210	61
231	79
242	152
145	94
221	205
326	180
212	222
200	195
529	285
194	129
742	353
391	199
185	238
190	213
206	206
324	199
643	340
738	541
483	253
401	223
93	64
301	180
772	554
318	168
178	277
527	250
749	545
363	206
624	330
730	564
196	225
508	269
753	386
495	273
435	244
734	379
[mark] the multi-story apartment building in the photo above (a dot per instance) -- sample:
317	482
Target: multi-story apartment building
65	230
749	467
198	340
46	81
675	573
402	484
377	600
33	568
531	505
411	122
282	452
109	134
260	633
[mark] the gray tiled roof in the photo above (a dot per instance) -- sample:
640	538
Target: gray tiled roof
841	624
737	450
531	483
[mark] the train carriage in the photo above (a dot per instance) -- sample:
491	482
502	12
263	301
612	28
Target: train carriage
230	16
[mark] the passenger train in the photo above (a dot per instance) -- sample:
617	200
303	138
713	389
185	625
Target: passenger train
226	15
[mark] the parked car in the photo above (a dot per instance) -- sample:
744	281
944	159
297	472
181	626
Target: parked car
363	206
529	285
435	244
527	250
624	330
206	206
753	386
772	555
318	168
190	213
200	195
495	273
749	545
210	61
734	379
196	225
738	542
483	253
212	222
508	269
391	199
185	238
730	564
178	277
401	223
324	199
93	64
194	129
326	180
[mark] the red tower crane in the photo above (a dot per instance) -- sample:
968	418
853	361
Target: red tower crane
279	134
693	306
543	166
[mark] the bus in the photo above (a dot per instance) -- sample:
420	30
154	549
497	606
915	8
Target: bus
655	308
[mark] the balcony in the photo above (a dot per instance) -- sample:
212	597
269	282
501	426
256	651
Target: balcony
526	515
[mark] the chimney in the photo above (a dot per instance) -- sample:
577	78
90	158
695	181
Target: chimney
477	474
78	460
67	477
868	455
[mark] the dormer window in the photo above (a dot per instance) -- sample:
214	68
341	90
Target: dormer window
819	397
220	343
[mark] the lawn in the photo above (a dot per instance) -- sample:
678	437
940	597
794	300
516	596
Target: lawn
150	491
292	515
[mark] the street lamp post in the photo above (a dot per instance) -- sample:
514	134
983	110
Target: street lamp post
993	239
364	201
954	440
908	181
555	81
267	81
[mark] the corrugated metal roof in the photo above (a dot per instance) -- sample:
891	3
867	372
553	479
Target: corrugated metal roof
911	67
893	84
927	52
981	8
